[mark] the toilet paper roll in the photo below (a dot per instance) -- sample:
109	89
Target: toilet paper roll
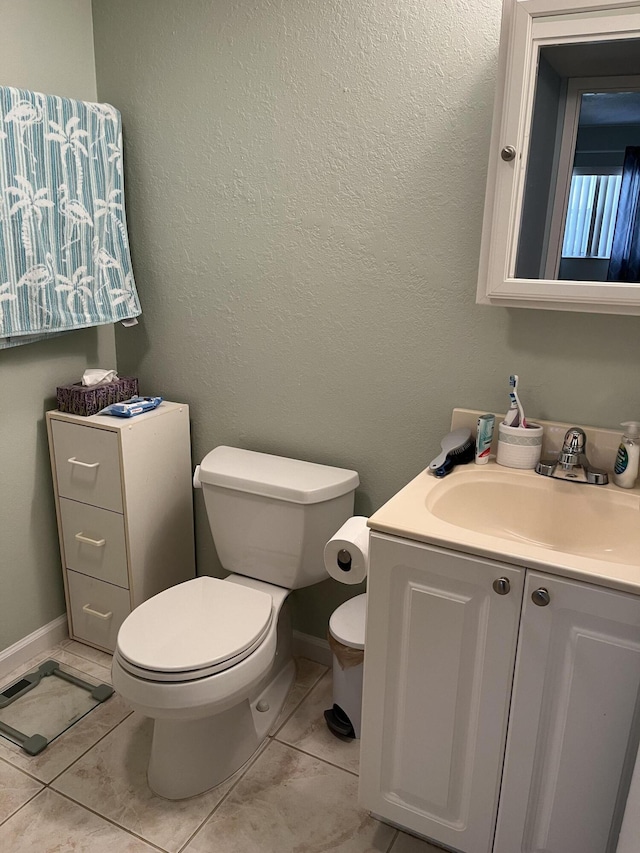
346	554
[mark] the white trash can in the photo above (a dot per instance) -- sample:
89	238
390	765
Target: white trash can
346	639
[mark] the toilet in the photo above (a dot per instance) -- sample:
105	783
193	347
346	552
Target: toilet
210	660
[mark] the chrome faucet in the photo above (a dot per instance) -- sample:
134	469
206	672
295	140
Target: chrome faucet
572	463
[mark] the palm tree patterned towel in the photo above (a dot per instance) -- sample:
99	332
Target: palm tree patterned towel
64	249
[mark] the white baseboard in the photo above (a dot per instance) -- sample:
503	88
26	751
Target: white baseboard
304	645
26	648
313	648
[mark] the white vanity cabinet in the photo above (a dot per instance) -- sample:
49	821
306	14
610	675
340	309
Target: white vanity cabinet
573	728
124	505
444	688
440	648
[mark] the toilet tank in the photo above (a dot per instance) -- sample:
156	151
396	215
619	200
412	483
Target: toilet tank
271	516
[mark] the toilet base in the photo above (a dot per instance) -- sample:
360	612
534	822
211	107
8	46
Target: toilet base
188	757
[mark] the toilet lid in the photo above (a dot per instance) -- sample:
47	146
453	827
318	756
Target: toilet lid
191	630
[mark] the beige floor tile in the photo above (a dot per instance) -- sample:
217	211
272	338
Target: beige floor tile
16	789
50	824
69	746
66	656
92	668
111	779
288	801
308	673
307	729
405	843
88	652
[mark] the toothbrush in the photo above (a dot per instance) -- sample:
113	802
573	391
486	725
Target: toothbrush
513	382
512	418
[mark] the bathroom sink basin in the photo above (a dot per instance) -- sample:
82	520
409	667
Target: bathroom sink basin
585	531
590	521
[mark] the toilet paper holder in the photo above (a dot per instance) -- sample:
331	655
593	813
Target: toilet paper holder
346	554
344	560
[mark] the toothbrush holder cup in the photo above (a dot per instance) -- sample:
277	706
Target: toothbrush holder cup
518	447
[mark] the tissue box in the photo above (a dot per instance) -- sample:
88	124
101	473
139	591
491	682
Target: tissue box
85	400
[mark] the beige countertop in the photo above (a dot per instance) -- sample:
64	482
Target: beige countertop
611	559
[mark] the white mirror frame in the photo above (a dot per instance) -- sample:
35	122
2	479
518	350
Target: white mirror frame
528	25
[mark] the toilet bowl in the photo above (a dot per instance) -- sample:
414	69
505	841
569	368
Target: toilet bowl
210	660
212	706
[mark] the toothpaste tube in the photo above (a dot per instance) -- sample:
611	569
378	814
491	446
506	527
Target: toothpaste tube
131	407
484	438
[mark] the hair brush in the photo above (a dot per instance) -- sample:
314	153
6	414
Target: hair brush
458	448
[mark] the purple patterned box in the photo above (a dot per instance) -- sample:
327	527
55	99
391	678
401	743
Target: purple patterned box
78	399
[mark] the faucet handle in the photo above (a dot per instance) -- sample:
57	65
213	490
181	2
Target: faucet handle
546	467
597	476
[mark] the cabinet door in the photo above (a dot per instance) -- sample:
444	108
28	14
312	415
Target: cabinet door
572	737
440	649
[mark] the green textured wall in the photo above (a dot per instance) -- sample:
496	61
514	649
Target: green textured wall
45	45
305	185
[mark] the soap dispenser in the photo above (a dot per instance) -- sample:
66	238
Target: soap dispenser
625	471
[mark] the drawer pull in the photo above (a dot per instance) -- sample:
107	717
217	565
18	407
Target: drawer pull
73	461
97	543
88	609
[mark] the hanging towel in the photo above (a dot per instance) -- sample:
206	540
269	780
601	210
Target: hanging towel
64	249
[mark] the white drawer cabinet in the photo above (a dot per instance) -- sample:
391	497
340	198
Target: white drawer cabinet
125	514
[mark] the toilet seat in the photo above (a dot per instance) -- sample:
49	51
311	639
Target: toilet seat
194	630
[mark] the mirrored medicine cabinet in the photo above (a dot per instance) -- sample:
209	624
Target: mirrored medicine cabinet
561	224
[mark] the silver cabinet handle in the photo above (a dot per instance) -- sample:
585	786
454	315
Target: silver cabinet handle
97	543
508	153
73	461
541	597
501	586
88	609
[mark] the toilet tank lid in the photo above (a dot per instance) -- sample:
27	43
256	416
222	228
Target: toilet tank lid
275	476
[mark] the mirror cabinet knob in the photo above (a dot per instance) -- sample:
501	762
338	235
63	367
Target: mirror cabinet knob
508	153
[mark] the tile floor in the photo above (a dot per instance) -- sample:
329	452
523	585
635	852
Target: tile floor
87	791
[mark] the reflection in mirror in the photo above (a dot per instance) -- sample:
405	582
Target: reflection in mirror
580	219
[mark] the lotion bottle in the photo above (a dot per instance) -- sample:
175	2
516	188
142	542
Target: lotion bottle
625	471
